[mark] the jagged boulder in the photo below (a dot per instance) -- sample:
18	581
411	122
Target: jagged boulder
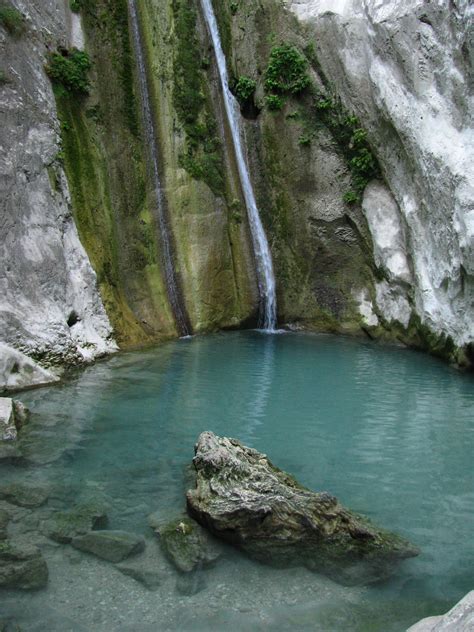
241	497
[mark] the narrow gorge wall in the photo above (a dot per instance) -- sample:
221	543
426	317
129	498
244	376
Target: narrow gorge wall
50	310
387	104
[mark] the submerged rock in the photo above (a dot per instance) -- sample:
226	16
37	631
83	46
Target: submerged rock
459	619
187	544
22	567
4	520
113	546
66	525
147	569
244	499
29	496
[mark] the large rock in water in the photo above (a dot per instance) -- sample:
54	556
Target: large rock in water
244	499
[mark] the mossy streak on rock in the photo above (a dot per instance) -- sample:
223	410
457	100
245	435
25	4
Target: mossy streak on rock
105	163
203	155
214	255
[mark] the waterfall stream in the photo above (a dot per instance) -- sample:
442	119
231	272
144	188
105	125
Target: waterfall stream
265	275
171	280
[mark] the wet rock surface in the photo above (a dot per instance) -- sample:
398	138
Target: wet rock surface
187	544
113	546
22	567
24	495
66	525
4	520
241	497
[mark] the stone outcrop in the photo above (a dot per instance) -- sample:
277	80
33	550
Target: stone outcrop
459	619
241	497
22	567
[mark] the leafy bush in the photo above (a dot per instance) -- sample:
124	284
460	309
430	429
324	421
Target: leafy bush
274	102
3	78
286	71
234	7
244	89
68	70
12	19
76	5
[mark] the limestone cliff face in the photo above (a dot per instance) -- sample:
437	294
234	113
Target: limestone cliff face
405	68
50	308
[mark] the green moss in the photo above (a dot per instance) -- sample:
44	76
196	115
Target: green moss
11	19
202	158
68	70
286	74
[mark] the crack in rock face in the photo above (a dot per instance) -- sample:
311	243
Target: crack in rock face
241	497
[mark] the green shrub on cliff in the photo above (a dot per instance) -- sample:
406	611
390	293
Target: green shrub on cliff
286	74
68	70
11	19
244	89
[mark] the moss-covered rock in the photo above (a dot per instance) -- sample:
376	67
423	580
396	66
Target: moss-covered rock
244	499
187	544
24	495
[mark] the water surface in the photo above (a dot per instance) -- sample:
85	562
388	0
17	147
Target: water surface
388	431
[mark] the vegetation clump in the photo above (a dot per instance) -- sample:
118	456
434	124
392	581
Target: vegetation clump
244	89
75	5
11	19
286	74
352	141
68	71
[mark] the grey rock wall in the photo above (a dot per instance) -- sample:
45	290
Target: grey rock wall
50	309
405	68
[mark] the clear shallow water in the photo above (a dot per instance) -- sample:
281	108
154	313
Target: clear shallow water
388	431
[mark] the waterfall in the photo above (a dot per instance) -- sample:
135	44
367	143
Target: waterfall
265	275
171	280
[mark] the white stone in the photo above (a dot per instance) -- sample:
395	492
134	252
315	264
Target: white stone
459	619
18	370
366	307
7	420
385	224
392	303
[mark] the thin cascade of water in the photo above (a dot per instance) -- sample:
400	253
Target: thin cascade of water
171	280
265	275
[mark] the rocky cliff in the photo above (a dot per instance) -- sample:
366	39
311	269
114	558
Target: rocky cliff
405	69
363	175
